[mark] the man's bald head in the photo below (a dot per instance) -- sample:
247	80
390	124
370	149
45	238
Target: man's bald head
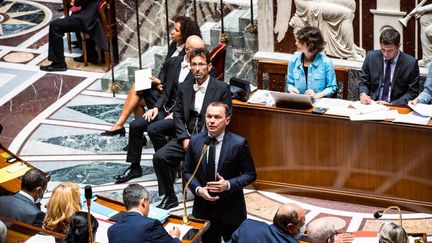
194	42
288	216
320	230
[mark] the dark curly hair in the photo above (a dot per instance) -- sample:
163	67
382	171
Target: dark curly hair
78	228
311	36
200	52
188	27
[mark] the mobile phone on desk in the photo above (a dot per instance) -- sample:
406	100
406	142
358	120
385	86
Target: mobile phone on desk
190	234
319	110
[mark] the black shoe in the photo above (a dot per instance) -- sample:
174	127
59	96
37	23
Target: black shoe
169	202
128	175
81	59
54	67
121	131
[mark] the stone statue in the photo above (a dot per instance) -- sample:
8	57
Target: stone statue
334	19
425	15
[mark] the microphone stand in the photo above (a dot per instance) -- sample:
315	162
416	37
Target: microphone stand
185	215
89	221
381	212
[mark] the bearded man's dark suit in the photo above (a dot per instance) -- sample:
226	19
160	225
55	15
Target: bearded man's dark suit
405	82
170	155
86	20
237	167
21	208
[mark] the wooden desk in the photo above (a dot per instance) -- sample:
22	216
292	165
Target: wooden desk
13	185
331	157
200	224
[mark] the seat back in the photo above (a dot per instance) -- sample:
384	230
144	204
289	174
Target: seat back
217	59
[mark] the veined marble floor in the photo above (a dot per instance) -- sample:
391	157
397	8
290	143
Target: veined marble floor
53	121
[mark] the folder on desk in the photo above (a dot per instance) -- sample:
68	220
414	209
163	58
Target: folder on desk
289	100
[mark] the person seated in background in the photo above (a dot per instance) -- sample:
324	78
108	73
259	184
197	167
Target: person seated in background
392	233
323	231
21	206
389	76
288	226
64	202
184	27
86	20
310	72
136	226
177	71
3	232
425	97
77	231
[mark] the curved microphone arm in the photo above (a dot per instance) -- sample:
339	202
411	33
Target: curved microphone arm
185	215
379	213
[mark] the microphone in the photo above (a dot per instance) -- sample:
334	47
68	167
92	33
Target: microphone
88	196
378	214
207	141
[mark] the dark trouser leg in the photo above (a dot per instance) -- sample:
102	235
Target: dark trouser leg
56	31
164	160
158	131
136	140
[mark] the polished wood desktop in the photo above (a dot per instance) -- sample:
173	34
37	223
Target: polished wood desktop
331	157
200	224
13	185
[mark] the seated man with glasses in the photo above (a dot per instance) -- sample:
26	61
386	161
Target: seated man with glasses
323	231
288	226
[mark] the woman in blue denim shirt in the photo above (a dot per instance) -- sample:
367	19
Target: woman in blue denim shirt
320	80
425	96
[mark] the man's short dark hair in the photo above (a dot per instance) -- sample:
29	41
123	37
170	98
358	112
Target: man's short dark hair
32	179
200	52
133	194
282	220
221	104
390	36
188	27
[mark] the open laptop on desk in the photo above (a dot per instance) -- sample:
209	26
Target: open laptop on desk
289	100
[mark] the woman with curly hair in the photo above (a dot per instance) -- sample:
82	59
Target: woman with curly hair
64	202
183	28
310	72
77	231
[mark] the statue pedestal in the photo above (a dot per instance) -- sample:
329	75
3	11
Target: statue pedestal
384	19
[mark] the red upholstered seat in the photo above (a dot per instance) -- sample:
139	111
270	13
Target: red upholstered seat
217	58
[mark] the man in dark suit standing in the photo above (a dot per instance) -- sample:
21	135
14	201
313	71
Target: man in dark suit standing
389	75
288	226
225	170
22	205
136	227
176	70
192	100
86	20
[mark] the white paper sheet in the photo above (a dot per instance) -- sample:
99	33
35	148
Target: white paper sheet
422	109
373	107
142	79
332	102
365	239
261	97
412	118
376	116
183	228
342	111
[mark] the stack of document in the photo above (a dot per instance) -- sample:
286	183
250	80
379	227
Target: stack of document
372	112
262	97
337	107
158	213
421	115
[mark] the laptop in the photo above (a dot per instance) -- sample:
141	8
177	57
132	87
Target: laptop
294	101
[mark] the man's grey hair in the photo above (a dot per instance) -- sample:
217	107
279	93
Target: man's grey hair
392	233
320	231
133	194
3	231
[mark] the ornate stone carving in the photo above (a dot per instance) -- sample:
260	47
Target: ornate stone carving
425	15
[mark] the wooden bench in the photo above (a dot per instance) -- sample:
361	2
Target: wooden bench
277	71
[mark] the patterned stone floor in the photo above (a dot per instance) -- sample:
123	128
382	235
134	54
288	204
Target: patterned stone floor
53	121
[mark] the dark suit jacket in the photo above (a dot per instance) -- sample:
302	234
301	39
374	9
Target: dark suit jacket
405	83
256	231
21	208
171	72
216	91
135	228
172	48
235	165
